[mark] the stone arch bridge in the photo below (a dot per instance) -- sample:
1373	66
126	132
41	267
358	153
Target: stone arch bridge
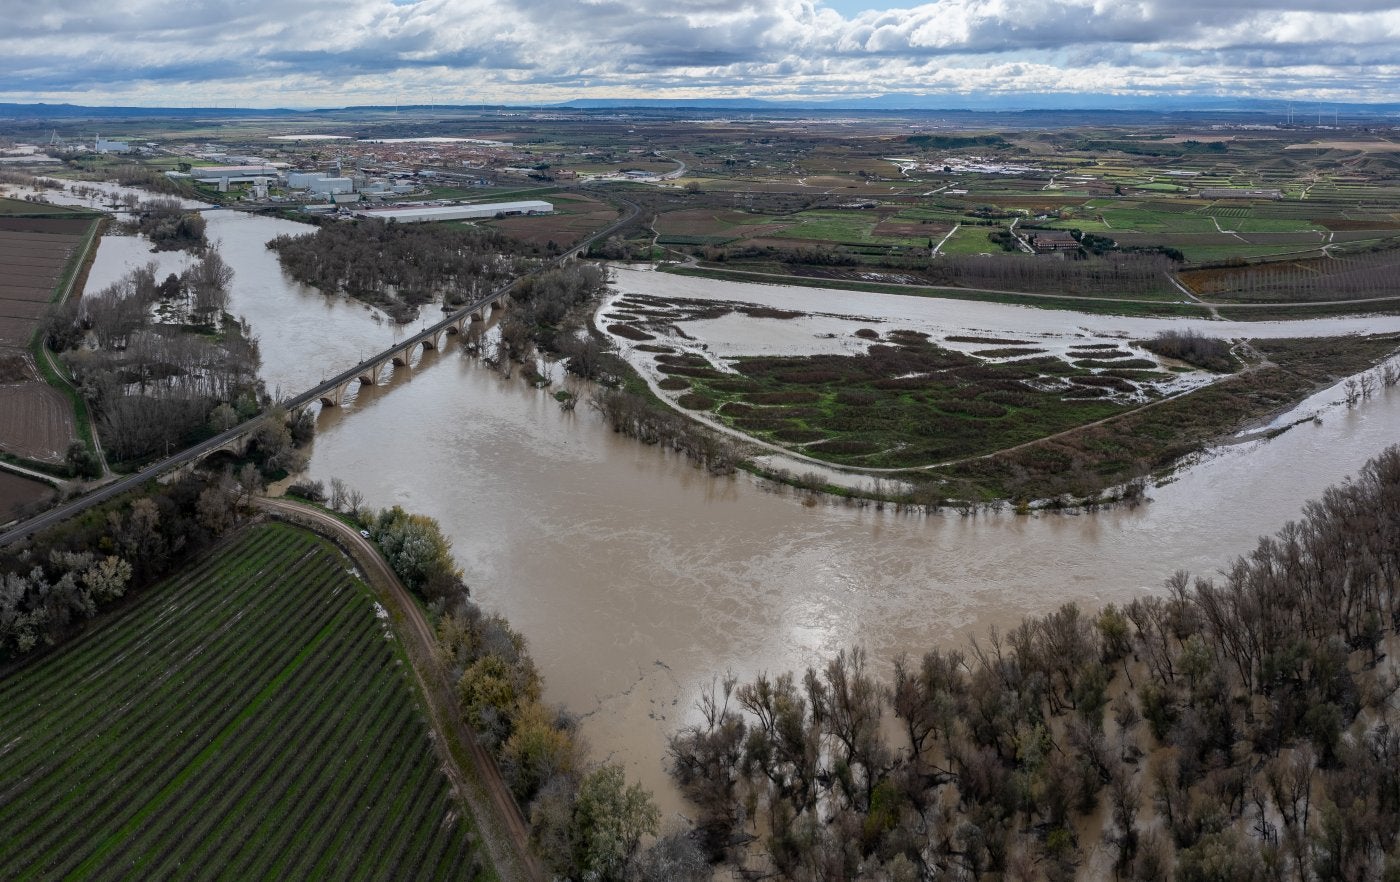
374	371
330	393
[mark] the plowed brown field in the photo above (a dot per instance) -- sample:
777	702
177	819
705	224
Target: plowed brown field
16	492
36	422
33	253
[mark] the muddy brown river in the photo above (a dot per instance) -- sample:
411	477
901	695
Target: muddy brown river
637	577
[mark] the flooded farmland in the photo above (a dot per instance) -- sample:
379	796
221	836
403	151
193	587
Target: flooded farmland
636	577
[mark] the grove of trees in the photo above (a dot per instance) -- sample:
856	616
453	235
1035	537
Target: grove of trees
169	226
1354	276
54	582
400	267
1234	727
142	356
1193	347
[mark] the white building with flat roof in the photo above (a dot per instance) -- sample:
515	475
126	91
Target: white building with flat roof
478	211
302	180
213	174
102	145
332	185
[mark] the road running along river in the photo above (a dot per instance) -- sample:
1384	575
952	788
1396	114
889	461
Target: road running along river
636	577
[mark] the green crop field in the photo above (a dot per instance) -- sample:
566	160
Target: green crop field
247	719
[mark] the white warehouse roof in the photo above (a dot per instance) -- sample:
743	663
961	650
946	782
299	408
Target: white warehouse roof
457	212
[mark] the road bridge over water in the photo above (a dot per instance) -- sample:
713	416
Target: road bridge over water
330	392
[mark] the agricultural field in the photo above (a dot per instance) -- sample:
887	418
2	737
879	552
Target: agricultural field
38	257
575	217
703	226
38	422
855	200
34	253
16	493
250	718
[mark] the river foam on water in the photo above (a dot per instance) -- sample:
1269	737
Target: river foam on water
637	577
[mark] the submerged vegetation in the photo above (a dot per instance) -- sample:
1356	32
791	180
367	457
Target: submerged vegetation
160	362
1006	422
169	226
1194	348
400	267
907	402
1235	727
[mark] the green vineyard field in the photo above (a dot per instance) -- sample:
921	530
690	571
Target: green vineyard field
250	718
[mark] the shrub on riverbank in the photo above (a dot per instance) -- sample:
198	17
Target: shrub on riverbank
1193	347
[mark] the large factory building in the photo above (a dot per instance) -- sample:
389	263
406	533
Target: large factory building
457	212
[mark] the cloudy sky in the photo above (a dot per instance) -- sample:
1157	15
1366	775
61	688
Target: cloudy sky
318	53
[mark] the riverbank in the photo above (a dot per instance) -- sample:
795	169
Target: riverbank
907	407
635	575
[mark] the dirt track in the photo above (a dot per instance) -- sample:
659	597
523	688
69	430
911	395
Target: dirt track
473	771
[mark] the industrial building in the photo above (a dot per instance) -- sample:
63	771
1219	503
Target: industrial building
231	174
421	214
104	146
300	180
330	186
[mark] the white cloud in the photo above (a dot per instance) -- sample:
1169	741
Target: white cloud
307	52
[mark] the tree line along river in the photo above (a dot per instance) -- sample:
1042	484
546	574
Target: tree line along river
637	577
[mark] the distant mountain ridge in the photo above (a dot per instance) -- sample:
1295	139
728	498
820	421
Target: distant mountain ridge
1001	103
893	102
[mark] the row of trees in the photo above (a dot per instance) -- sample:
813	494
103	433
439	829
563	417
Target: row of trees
586	820
138	357
637	417
400	267
1338	277
1112	273
1235	727
53	583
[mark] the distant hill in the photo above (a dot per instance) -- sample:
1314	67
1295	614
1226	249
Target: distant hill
1113	108
78	111
1003	103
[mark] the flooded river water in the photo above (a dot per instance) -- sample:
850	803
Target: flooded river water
637	577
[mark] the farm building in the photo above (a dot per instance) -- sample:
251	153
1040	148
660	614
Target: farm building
457	212
1044	241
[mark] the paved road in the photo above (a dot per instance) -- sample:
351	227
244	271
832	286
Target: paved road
499	822
191	454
